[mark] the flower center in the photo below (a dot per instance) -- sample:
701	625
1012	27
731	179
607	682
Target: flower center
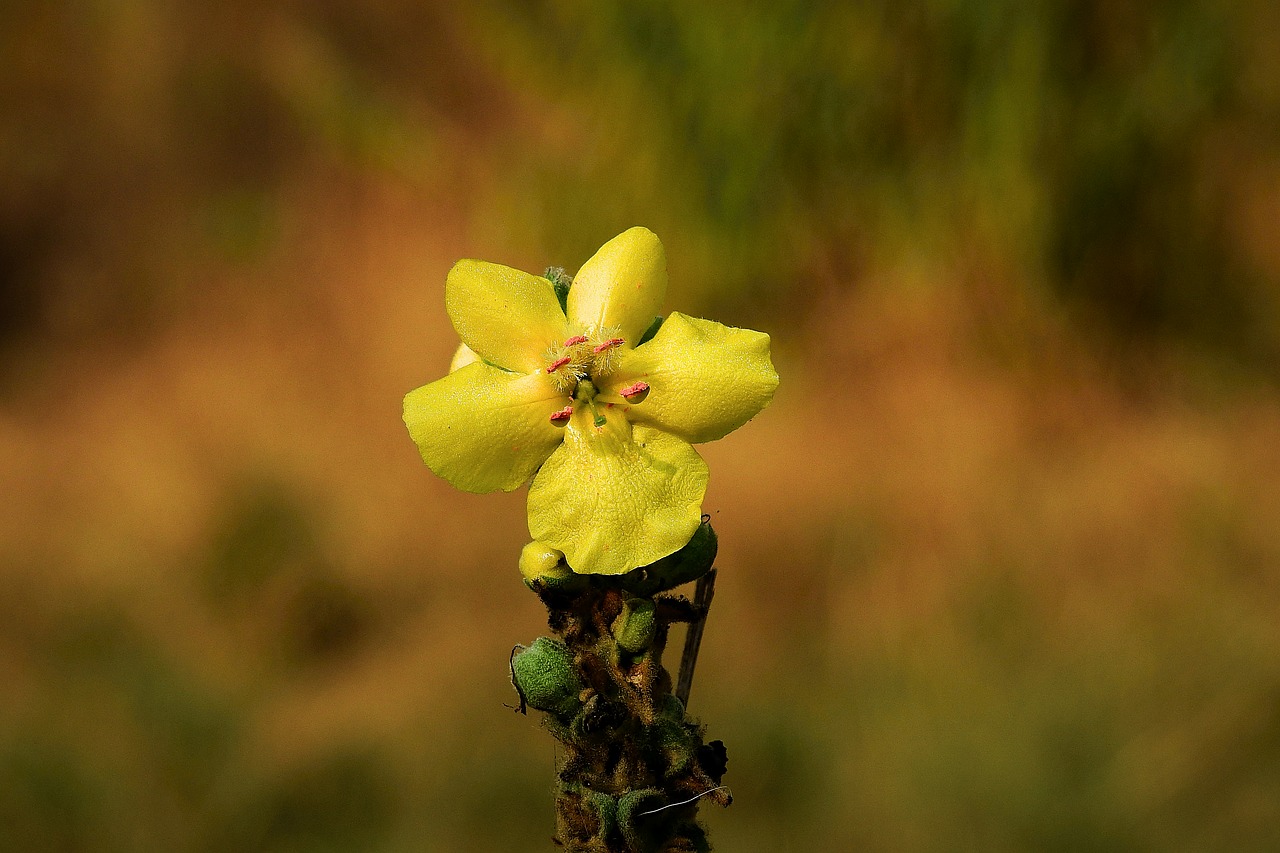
583	357
575	367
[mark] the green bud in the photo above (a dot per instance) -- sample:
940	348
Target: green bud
688	564
543	674
632	806
634	627
593	814
606	809
542	565
561	281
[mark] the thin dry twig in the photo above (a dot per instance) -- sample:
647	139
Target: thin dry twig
693	639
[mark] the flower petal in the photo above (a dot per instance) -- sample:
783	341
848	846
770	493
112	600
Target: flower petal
484	429
508	317
616	497
622	286
705	379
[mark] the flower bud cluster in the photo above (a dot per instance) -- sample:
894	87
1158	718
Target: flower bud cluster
634	766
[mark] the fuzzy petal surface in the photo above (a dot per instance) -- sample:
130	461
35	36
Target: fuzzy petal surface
508	317
485	429
616	497
622	286
705	379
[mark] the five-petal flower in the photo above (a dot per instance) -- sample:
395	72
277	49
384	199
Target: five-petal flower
572	397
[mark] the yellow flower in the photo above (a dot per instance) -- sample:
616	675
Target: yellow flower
571	397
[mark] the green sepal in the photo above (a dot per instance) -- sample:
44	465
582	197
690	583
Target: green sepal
677	745
544	676
670	707
651	331
688	564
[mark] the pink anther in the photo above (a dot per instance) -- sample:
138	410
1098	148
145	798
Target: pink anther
575	340
609	344
558	363
635	393
561	417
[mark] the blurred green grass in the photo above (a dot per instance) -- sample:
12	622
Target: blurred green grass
1000	564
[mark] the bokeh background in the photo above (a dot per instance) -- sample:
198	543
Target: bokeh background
1000	567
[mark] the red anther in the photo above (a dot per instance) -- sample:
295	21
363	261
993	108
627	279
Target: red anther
609	344
635	393
561	417
575	340
558	363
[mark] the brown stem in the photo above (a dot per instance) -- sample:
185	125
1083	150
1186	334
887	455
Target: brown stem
634	767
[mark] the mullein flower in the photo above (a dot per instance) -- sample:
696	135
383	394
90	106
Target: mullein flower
572	398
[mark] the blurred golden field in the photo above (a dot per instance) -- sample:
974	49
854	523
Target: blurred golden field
999	568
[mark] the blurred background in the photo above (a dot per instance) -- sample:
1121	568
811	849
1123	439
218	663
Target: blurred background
1000	567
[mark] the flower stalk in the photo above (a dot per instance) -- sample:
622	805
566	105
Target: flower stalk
634	766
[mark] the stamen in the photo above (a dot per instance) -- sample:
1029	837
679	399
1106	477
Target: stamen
558	363
609	344
561	417
575	340
635	393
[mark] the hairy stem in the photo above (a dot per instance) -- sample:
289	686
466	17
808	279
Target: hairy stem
634	767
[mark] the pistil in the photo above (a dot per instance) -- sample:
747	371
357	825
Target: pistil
586	393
